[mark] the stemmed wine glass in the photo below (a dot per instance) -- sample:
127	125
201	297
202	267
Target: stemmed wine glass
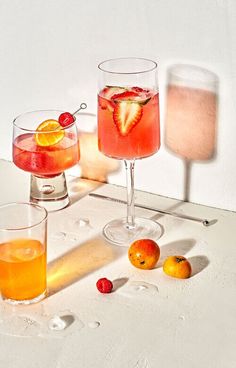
129	129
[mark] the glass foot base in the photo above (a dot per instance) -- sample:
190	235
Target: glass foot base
52	205
26	301
51	193
118	233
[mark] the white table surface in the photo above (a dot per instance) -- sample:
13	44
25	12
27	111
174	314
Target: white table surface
174	323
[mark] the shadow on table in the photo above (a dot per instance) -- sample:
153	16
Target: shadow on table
198	263
172	208
118	283
79	188
178	247
95	167
79	262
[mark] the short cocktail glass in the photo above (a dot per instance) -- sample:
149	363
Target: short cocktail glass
129	129
46	151
23	260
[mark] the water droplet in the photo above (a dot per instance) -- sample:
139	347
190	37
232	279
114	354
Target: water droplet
57	323
141	287
138	288
182	317
94	324
82	222
61	324
60	235
20	326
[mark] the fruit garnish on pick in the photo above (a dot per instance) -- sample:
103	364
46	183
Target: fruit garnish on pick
66	118
126	115
49	133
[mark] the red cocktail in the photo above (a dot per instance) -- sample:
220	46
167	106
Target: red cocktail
45	148
45	161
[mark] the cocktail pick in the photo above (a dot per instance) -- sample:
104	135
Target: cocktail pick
66	118
204	222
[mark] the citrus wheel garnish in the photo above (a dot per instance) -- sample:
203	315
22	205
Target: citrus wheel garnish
49	133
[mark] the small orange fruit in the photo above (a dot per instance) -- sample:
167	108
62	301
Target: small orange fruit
144	253
177	266
49	133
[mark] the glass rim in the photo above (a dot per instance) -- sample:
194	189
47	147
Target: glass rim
100	65
35	130
30	204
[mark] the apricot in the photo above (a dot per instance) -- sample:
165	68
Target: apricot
177	266
144	253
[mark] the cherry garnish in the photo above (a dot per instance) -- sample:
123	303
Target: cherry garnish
66	118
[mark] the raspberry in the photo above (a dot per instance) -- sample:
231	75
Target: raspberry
66	119
104	285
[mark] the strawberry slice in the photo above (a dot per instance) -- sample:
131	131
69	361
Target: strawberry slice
139	89
126	115
104	98
125	96
109	91
135	94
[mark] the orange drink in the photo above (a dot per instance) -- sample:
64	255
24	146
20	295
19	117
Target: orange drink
23	253
22	269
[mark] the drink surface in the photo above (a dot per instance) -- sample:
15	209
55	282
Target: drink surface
128	122
191	122
22	269
45	161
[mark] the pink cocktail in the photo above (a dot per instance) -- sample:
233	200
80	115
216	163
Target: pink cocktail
137	138
129	129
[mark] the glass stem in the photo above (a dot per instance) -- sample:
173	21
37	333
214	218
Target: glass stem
129	166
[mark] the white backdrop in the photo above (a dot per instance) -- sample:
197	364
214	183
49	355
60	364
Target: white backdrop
49	51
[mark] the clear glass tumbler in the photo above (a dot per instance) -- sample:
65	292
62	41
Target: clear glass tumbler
23	252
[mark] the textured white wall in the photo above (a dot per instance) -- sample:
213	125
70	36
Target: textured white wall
49	51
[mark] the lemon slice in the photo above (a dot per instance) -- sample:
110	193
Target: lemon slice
50	133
